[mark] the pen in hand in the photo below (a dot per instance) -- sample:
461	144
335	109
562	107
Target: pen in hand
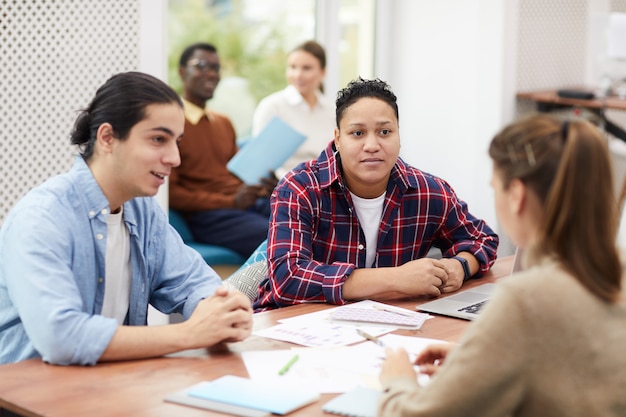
288	365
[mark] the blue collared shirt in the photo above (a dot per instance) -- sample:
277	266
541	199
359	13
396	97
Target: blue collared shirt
52	269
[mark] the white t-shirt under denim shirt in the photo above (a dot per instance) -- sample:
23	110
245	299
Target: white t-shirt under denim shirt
52	266
117	266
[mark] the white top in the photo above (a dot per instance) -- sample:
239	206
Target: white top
317	124
118	270
369	212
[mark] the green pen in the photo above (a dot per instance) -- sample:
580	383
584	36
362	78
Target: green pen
288	365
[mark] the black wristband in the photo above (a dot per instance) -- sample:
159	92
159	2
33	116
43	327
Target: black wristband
465	265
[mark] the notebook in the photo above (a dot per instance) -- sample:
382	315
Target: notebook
358	402
265	152
393	316
245	397
467	304
182	397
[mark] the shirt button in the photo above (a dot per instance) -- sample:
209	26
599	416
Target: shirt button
92	213
99	236
104	211
100	280
361	247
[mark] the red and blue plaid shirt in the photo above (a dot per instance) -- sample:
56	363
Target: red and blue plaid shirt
315	241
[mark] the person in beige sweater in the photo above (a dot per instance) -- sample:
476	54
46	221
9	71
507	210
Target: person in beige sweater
552	341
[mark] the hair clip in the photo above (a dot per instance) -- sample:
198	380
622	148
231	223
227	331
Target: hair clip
530	154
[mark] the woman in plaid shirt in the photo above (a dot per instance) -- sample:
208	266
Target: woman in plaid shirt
357	222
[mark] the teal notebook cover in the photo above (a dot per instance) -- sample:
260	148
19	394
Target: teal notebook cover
358	402
183	398
258	395
265	152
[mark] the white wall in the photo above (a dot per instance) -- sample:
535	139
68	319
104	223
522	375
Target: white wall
153	53
599	64
153	60
447	67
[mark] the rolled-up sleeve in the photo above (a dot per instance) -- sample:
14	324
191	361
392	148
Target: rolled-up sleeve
295	276
180	277
463	232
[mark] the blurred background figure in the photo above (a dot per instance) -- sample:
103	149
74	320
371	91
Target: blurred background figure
219	208
301	104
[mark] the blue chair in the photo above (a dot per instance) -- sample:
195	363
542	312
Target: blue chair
223	260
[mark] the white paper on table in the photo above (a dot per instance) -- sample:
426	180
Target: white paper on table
325	316
319	334
328	370
331	370
411	344
317	329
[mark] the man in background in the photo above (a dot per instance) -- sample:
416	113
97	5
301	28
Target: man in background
219	208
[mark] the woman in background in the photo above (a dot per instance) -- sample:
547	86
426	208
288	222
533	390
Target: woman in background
301	104
551	341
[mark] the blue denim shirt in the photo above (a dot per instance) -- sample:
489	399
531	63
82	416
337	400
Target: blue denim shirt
52	269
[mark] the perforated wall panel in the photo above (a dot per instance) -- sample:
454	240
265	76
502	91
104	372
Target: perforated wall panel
53	56
618	6
552	39
552	42
552	52
617	116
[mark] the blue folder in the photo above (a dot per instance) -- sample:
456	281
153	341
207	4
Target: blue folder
265	152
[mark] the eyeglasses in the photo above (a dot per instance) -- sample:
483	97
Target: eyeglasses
203	65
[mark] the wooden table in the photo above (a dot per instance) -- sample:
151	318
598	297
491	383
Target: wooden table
137	388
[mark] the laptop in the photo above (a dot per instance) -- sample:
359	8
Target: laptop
468	303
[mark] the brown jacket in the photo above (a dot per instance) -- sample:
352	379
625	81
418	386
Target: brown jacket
202	182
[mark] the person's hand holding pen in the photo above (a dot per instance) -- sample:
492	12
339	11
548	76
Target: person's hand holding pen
430	359
398	365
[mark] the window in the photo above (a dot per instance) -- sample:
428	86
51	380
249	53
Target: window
253	38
